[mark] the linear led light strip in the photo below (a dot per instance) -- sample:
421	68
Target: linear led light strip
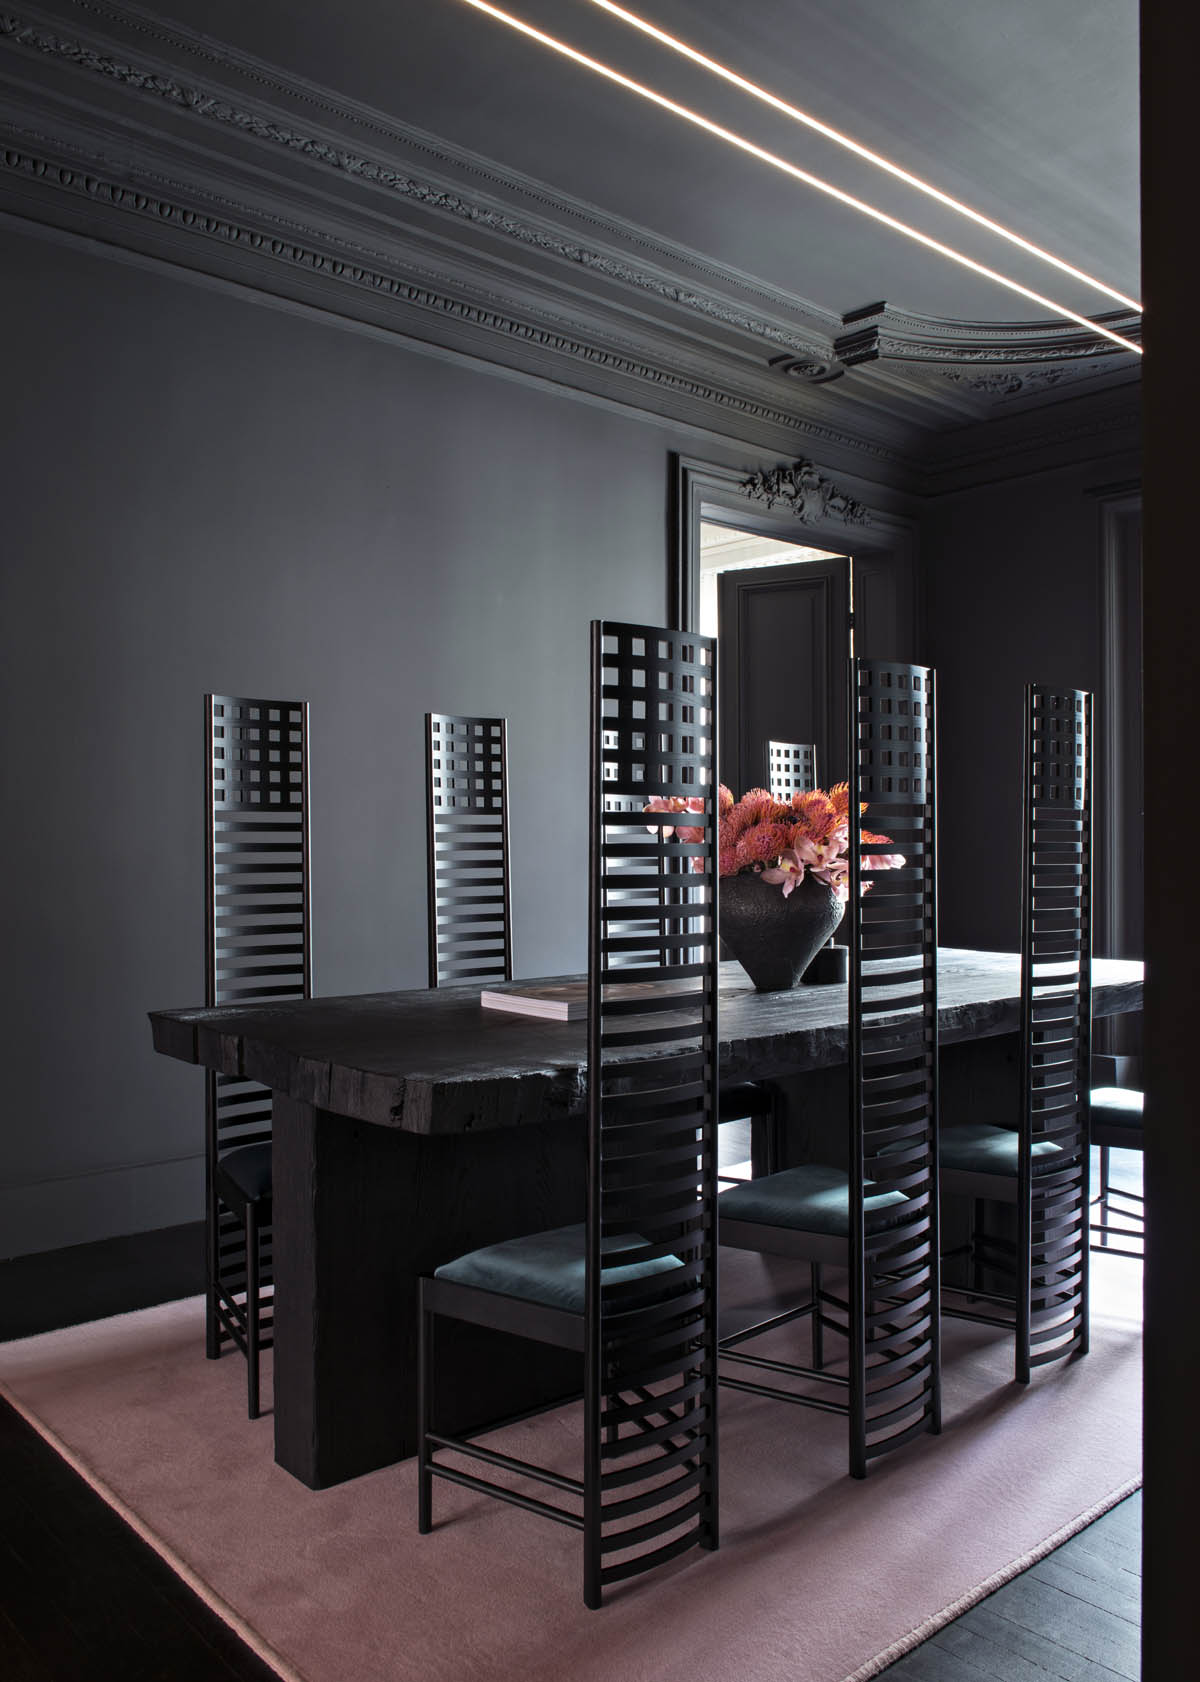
840	139
796	173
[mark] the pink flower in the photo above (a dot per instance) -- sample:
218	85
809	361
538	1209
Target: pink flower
675	803
691	832
803	846
787	872
808	835
883	861
760	845
835	873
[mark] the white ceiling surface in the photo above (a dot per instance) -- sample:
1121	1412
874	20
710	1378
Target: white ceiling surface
1026	109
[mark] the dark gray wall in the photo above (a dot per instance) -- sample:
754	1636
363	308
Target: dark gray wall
1012	576
204	492
207	495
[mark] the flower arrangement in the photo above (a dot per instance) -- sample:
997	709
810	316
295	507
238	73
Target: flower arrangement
784	841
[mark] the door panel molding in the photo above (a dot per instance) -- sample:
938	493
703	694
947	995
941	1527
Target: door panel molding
794	692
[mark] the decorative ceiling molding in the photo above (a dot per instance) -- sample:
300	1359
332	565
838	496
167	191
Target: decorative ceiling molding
314	255
1103	429
162	85
1005	383
449	158
207	158
882	334
817	371
806	494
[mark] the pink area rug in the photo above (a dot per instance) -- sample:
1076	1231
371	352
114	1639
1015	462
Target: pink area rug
818	1578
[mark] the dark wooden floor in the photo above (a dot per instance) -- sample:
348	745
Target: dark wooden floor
1076	1615
84	1599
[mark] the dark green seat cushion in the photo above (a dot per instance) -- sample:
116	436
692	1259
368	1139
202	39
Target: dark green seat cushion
812	1198
979	1148
1117	1106
247	1169
548	1267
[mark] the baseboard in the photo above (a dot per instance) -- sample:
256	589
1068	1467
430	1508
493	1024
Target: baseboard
75	1209
65	1287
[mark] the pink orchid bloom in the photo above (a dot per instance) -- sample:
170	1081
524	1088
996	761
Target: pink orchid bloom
675	803
787	872
883	861
809	852
835	873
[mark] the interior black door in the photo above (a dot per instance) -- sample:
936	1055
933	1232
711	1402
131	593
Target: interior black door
783	650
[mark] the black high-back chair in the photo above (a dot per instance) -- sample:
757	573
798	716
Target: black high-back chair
1038	1159
258	947
876	1217
1118	1214
466	784
791	768
633	1287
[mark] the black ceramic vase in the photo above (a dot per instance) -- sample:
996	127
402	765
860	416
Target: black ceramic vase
776	938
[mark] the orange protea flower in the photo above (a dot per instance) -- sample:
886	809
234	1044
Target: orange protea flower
734	821
785	841
760	844
814	813
840	795
758	805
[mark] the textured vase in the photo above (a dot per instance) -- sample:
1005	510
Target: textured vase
776	938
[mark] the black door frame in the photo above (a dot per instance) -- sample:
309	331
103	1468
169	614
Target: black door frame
875	540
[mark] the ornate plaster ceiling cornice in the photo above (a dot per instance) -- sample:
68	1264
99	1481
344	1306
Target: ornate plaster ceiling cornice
880	333
124	127
420	302
159	83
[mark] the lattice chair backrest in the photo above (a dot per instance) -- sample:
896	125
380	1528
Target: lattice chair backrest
791	768
650	1383
894	1048
470	937
1056	1023
258	943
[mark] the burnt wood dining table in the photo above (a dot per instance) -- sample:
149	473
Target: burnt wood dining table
410	1127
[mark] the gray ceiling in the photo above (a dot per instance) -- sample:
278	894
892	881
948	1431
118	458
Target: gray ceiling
1027	109
419	167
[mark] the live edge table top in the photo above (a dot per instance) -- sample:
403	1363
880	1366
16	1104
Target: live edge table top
436	1061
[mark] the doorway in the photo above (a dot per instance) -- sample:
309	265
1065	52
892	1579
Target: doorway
782	614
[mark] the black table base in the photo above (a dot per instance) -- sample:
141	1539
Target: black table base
360	1213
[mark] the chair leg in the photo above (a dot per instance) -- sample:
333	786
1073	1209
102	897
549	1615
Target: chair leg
212	1223
425	1357
764	1139
212	1254
212	1326
818	1325
976	1254
1103	1199
253	1327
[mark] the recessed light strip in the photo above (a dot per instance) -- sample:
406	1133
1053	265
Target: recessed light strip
796	173
840	139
